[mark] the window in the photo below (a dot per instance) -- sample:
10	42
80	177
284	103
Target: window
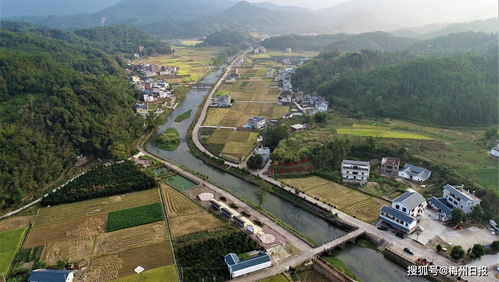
397	206
404	209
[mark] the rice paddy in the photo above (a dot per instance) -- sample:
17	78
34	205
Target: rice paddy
381	133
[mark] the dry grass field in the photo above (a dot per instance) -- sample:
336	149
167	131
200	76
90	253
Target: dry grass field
239	113
347	200
15	222
129	238
149	257
256	89
81	228
96	206
184	216
236	143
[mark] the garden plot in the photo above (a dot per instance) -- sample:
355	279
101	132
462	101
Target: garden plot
93	207
134	217
10	242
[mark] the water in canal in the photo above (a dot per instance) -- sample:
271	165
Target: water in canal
371	265
314	227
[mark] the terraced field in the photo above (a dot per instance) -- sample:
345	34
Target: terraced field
177	202
184	216
130	238
381	133
347	200
94	207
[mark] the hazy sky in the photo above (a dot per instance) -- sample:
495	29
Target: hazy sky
466	8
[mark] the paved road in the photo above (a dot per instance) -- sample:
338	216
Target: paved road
291	237
221	127
204	111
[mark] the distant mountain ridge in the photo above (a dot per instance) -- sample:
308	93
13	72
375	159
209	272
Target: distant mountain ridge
194	18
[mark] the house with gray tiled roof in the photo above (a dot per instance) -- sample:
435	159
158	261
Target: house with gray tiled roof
414	173
460	198
404	212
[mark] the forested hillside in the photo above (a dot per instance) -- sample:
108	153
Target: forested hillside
456	90
58	99
116	39
475	42
231	39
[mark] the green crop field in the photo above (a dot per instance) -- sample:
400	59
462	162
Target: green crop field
10	243
236	143
367	132
134	217
160	274
180	183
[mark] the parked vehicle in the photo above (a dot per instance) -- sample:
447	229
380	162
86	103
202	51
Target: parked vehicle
420	228
400	235
409	251
384	228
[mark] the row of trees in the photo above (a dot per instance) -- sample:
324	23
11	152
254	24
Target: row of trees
478	250
102	181
204	259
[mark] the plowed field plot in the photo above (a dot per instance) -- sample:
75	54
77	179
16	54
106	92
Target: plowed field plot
15	222
347	200
129	238
82	228
184	216
93	207
239	113
180	183
134	217
236	143
123	263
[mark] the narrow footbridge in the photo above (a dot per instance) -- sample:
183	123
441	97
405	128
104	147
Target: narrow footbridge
202	86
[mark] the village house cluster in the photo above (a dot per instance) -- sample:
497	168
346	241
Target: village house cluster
151	70
155	94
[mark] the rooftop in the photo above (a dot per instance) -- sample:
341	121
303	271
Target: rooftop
350	162
415	170
390	161
397	214
247	263
461	193
441	204
410	199
48	275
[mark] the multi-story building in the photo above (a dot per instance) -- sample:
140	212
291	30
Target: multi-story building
257	122
355	171
389	166
404	212
460	198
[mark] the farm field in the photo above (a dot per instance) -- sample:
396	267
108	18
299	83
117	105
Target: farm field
235	143
277	278
380	133
347	200
160	274
82	238
273	53
10	242
134	217
133	237
180	183
92	207
239	113
15	222
185	216
193	62
256	89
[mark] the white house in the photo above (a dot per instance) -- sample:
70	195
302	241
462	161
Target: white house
241	267
410	203
355	171
460	198
414	173
264	152
404	213
398	219
321	106
45	275
494	152
257	122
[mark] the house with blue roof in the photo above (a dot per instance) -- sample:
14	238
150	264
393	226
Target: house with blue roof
404	213
50	275
239	267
